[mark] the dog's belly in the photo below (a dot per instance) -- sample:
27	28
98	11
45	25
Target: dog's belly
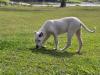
61	30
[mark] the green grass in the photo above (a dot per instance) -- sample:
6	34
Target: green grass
75	0
17	53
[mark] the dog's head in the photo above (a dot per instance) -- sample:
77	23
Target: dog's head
39	37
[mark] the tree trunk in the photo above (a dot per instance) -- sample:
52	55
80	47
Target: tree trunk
63	3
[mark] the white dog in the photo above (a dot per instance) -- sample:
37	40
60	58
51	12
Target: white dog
55	27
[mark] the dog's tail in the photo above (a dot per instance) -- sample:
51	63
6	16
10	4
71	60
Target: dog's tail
87	29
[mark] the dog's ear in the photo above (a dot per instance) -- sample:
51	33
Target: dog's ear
41	34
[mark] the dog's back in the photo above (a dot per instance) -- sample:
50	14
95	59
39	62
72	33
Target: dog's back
60	25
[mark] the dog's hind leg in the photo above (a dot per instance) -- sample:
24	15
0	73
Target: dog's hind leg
78	34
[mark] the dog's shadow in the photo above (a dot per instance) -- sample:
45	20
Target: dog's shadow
55	53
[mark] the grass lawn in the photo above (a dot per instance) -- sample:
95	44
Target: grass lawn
17	57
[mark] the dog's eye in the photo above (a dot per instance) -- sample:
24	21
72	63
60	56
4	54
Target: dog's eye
41	34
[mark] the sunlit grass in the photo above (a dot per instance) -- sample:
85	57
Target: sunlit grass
17	53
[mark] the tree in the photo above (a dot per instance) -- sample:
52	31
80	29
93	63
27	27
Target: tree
63	3
4	2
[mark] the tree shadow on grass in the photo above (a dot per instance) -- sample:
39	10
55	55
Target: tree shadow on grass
55	53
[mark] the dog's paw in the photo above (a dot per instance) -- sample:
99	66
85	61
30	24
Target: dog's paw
43	46
54	49
61	49
78	52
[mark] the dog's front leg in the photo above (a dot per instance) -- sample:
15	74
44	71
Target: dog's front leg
46	38
69	35
56	42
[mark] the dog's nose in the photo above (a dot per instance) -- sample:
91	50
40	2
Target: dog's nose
37	46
